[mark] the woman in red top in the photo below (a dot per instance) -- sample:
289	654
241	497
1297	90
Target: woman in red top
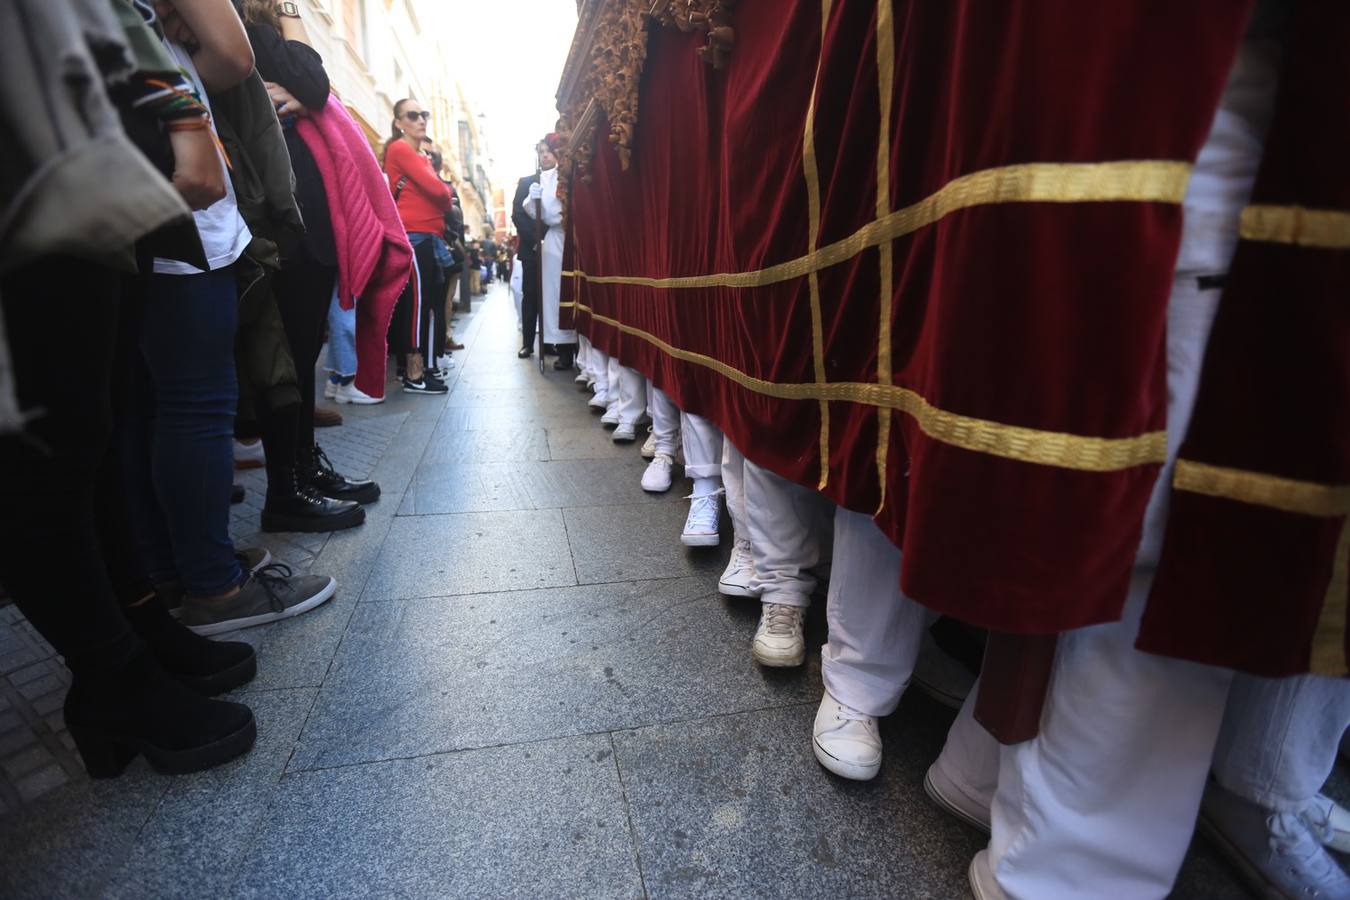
422	200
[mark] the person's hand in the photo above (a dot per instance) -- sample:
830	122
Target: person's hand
198	175
284	101
536	191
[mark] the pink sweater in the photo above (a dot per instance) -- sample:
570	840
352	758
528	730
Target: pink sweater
374	256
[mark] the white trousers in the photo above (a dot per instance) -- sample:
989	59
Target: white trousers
1104	799
665	420
613	382
783	520
1279	738
875	630
599	362
632	395
702	446
733	481
583	353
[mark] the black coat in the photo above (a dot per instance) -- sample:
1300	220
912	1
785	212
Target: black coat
530	231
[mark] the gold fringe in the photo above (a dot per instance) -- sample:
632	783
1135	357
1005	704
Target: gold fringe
812	175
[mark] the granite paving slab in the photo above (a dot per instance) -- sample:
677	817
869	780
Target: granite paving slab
615	543
438	674
533	820
430	556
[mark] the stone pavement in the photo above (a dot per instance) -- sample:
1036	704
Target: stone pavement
525	686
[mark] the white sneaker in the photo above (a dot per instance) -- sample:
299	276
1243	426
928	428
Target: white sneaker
598	402
702	527
350	393
582	378
951	799
249	455
846	741
624	433
330	389
611	416
740	572
648	450
981	875
656	479
778	640
1329	821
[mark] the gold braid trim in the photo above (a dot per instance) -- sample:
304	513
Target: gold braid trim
1146	181
1259	489
1031	445
1325	228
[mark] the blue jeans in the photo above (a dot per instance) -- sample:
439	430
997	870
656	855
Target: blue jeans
178	455
341	338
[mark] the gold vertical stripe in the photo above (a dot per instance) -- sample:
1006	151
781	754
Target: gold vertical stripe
1328	652
885	88
812	175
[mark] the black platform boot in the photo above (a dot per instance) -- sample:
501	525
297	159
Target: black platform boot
139	709
292	505
208	667
321	476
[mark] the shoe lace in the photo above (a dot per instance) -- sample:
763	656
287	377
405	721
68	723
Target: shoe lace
843	713
663	460
272	578
703	508
741	556
781	620
322	463
1291	837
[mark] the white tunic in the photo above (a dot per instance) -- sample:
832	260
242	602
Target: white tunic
551	259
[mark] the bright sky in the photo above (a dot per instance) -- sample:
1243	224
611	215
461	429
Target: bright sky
510	59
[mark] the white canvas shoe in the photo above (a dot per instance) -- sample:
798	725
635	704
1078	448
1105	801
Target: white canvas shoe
330	388
740	572
350	393
981	875
249	455
846	741
1329	821
701	527
778	640
656	479
623	433
611	416
951	799
648	450
582	378
598	402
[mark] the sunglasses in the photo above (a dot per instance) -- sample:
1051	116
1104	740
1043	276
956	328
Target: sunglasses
424	115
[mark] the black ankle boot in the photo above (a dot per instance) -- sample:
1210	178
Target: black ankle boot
321	476
113	716
293	505
208	667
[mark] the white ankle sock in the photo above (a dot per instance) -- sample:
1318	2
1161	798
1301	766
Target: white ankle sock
705	486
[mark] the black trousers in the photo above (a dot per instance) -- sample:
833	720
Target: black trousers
304	290
52	560
414	324
529	300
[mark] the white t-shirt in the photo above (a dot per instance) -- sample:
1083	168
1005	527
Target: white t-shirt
223	232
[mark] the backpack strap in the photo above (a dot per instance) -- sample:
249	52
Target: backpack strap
398	187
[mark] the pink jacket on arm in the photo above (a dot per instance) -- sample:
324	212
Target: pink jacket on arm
373	253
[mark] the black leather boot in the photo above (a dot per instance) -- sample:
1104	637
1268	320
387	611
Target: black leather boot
208	667
321	476
139	709
292	505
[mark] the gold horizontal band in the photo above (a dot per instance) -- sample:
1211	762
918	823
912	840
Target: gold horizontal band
1259	489
1324	228
1030	445
1140	181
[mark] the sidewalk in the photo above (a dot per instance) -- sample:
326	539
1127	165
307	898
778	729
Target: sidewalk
525	686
